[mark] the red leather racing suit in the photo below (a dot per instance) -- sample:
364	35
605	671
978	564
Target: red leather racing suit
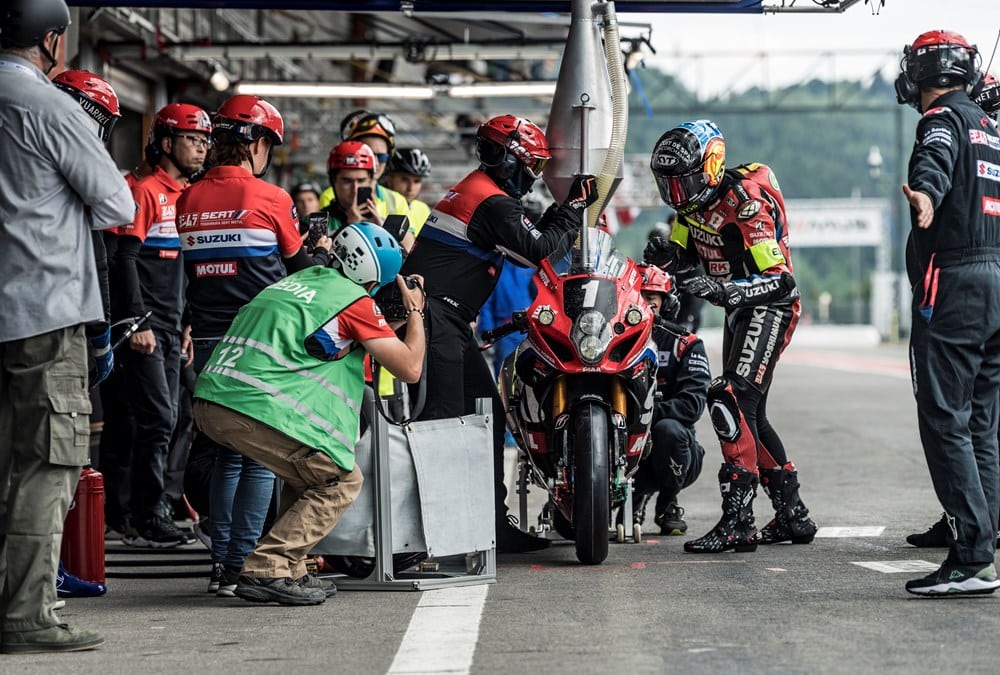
741	239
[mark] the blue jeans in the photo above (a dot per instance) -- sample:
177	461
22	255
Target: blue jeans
239	494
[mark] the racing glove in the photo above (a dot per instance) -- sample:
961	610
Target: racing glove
582	193
707	288
666	255
731	295
99	347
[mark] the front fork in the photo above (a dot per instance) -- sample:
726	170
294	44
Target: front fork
621	484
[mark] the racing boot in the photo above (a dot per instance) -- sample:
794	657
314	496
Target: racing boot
791	520
736	529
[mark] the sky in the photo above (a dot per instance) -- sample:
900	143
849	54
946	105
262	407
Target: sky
713	52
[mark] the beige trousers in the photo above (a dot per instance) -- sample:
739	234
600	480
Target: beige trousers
315	495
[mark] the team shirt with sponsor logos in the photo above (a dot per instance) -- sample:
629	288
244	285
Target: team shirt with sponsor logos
956	162
235	230
159	267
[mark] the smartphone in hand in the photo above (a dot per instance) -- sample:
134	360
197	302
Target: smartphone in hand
364	194
319	226
396	225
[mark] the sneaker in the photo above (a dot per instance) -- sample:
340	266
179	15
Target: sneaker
131	536
312	581
512	540
112	534
58	638
188	535
215	578
227	582
954	579
69	586
938	536
159	532
671	520
283	591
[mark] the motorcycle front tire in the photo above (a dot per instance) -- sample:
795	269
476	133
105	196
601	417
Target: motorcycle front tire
591	500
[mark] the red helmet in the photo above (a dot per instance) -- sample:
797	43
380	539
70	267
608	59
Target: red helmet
988	97
95	95
175	117
351	155
248	117
655	280
938	57
517	136
364	123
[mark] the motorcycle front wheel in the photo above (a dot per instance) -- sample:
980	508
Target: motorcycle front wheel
591	503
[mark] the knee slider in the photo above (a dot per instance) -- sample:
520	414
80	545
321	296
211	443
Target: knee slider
724	410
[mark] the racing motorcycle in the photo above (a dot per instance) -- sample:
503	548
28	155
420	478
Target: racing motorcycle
579	390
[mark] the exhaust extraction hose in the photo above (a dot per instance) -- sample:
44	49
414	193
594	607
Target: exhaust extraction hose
606	177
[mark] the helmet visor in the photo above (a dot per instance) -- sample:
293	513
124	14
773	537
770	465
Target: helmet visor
536	165
682	190
929	62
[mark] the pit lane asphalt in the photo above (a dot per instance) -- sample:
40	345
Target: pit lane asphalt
844	408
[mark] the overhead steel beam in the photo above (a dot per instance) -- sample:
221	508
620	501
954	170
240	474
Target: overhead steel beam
464	7
415	51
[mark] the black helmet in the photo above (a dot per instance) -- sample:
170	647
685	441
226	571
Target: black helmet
307	186
688	163
25	23
940	58
413	161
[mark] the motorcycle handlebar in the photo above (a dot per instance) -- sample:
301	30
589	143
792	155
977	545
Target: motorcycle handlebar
518	322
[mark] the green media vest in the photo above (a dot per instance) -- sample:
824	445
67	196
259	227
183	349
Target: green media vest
263	370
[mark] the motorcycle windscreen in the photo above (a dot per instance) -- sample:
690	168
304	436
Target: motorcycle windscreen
603	258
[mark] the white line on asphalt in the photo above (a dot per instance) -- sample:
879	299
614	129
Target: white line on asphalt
443	632
863	531
894	566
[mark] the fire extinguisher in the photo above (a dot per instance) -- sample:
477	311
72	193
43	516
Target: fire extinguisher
83	532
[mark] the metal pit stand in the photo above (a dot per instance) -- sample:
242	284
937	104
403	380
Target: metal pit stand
438	513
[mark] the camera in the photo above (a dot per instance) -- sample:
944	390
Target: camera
390	300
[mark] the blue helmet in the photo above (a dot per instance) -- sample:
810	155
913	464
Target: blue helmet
367	253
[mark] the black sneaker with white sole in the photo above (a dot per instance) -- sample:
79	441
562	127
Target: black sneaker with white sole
952	579
937	536
283	591
227	582
159	532
216	577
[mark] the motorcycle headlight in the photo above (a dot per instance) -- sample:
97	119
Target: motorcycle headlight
590	323
591	334
590	349
546	317
633	316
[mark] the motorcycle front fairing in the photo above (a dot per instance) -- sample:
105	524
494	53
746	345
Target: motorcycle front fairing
589	315
598	298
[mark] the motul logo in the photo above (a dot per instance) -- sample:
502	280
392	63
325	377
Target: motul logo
215	269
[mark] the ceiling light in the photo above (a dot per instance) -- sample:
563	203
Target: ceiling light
489	89
219	79
351	90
